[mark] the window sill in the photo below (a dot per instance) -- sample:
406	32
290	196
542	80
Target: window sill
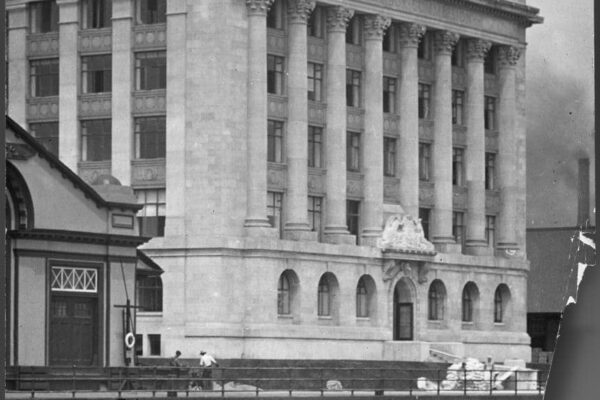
499	324
150	314
325	318
363	319
285	316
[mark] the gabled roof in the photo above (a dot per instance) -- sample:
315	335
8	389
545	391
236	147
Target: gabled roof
153	267
65	171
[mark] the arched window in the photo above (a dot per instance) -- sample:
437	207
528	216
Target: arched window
501	298
149	292
324	299
283	295
362	299
467	306
437	295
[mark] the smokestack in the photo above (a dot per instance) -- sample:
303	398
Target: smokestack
583	192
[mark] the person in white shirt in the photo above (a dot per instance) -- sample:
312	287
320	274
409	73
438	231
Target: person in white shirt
207	362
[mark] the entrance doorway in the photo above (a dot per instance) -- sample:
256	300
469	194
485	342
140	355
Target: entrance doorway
73	330
403	312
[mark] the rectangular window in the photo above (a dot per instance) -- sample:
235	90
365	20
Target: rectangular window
315	81
43	77
314	214
43	16
276	15
151	70
489	61
353	31
490	113
490	171
96	140
275	141
353	217
151	12
424	49
389	156
154	341
458	105
424	161
490	230
389	40
96	14
149	292
458	227
389	95
151	218
274	200
353	151
47	134
352	88
316	22
96	74
315	141
274	74
424	100
458	54
458	166
150	137
424	215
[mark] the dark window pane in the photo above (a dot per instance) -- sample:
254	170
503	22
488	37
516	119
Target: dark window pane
47	134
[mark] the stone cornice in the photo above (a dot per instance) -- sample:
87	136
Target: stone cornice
409	34
258	7
375	25
79	237
444	41
337	18
477	49
299	10
508	56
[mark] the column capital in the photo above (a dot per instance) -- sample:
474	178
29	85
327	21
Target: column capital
410	34
375	25
477	49
299	10
508	56
258	7
337	18
444	41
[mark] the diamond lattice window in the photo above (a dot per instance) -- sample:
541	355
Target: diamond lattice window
69	279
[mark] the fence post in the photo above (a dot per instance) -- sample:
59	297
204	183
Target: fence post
290	381
491	378
222	383
321	378
73	380
516	382
438	382
464	368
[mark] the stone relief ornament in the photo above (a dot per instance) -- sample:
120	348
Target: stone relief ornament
403	232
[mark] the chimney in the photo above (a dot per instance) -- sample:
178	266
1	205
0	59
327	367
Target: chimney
583	192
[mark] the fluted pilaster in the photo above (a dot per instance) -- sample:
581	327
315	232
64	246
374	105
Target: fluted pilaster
507	59
256	222
296	226
475	152
336	230
374	26
408	108
442	145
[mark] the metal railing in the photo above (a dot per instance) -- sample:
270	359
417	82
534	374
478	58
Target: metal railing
159	382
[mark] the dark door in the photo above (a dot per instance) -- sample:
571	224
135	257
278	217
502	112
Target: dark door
73	327
403	321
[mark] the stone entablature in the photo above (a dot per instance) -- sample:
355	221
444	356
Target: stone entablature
42	45
95	105
149	37
148	173
42	108
149	102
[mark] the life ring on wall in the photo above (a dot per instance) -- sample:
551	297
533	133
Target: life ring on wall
129	340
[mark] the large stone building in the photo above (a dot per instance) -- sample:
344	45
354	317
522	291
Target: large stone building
269	141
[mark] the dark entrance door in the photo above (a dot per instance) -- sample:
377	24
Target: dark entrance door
404	321
73	327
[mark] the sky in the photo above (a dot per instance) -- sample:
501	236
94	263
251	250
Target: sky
560	102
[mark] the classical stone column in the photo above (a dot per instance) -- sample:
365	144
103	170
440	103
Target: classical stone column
372	215
122	85
475	153
18	68
507	152
68	127
442	145
408	102
296	226
176	118
256	222
336	230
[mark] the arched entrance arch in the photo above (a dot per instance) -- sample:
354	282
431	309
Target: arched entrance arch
403	317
